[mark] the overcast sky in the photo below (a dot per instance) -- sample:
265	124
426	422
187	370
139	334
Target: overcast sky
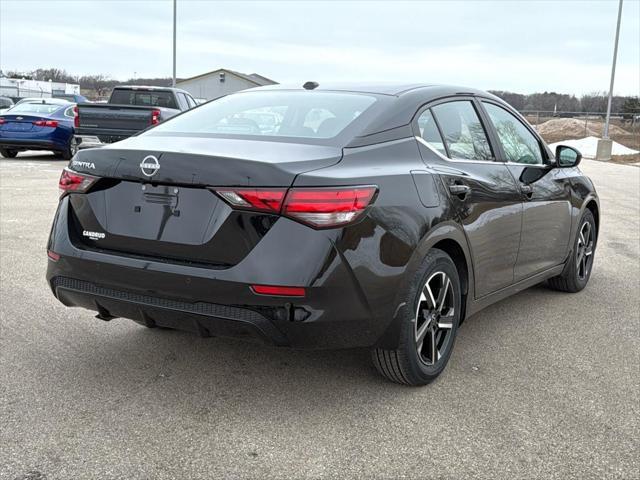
522	46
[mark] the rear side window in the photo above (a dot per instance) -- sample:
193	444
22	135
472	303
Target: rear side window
146	98
312	115
192	103
429	131
518	143
462	131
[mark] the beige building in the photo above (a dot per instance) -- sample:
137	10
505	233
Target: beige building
218	83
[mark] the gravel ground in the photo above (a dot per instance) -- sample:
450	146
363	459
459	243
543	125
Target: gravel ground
541	385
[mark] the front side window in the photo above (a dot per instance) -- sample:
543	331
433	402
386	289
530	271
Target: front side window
312	115
429	131
462	131
518	143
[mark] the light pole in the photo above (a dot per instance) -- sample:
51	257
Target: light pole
173	81
603	151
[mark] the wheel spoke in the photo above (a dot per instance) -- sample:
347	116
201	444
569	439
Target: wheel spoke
431	297
446	323
442	297
435	355
587	234
423	297
422	332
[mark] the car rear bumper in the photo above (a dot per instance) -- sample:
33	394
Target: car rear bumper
334	313
202	318
30	144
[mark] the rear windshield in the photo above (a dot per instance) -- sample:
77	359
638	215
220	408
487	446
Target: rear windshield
145	98
312	115
39	107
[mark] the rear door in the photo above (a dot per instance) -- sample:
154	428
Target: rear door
482	190
545	192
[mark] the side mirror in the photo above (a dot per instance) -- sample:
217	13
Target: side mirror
567	157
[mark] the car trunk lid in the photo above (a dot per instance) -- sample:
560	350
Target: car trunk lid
172	214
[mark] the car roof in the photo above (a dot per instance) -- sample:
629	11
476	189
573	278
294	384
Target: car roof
393	89
149	87
50	101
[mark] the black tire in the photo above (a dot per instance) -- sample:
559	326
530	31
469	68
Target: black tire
69	152
8	153
577	272
408	363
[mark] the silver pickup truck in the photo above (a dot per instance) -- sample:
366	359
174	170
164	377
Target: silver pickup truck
130	110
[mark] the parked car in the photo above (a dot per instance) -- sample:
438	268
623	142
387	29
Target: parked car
130	110
405	211
44	124
72	97
5	104
30	99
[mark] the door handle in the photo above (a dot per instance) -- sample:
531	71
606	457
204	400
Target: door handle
460	190
527	190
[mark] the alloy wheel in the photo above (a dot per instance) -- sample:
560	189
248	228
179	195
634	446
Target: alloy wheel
584	250
435	315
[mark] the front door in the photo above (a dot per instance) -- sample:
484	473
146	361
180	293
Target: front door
483	191
546	194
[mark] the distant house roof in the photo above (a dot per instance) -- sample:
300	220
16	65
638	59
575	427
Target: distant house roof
254	78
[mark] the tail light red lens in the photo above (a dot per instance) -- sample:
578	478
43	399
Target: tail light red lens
53	255
75	182
46	123
327	207
76	117
259	199
317	207
155	117
278	291
2	120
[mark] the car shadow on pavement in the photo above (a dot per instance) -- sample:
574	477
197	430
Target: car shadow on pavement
133	361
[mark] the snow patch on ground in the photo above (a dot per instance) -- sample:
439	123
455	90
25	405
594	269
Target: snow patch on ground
588	146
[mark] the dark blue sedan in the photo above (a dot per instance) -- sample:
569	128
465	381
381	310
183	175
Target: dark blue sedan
46	124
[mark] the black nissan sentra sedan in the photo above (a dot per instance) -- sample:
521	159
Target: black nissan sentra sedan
325	217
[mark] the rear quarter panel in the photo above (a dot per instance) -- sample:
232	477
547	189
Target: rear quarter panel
385	247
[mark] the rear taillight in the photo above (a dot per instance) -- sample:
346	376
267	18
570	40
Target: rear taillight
76	117
259	199
318	207
46	123
53	255
2	120
327	207
75	182
155	117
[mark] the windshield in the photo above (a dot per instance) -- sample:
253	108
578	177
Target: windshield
38	107
319	115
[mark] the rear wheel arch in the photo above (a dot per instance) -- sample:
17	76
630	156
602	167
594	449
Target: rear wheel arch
595	210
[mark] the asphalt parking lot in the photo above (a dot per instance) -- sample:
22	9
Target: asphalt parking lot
541	385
